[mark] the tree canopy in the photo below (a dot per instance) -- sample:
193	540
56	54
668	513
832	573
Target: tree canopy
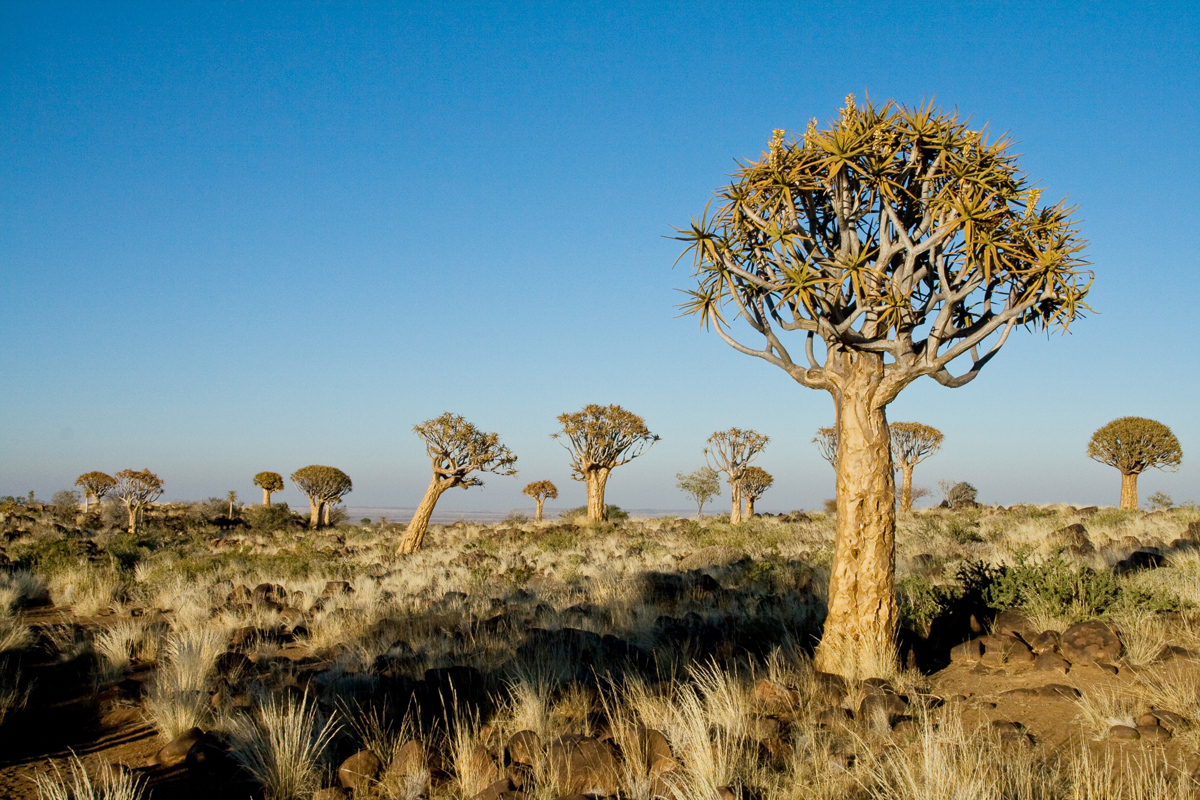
701	485
541	490
603	437
1134	445
755	482
269	481
826	441
730	452
136	490
913	442
95	485
897	231
321	483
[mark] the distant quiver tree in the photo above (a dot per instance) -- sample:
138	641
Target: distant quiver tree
322	486
912	443
541	491
95	485
755	482
600	439
136	490
701	485
892	243
826	441
456	448
1134	445
269	482
731	452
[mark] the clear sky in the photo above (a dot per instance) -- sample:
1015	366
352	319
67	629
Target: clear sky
245	237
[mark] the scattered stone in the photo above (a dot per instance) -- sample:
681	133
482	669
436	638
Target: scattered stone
582	765
1139	560
291	617
360	771
718	555
833	716
333	588
1045	642
1146	719
1090	642
1005	649
1123	733
881	710
496	790
175	752
524	747
1075	538
1050	661
830	684
1153	733
968	652
1171	720
331	793
763	729
774	698
1012	621
1058	690
1111	669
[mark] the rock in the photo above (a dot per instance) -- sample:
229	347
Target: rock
1111	669
524	748
1003	649
1171	720
1050	661
1139	560
210	758
232	664
1045	642
582	765
331	793
1074	537
1012	621
1011	732
833	717
1153	733
360	772
881	710
774	698
1087	511
291	617
175	752
1123	733
831	685
1058	690
1090	642
483	765
968	652
1193	532
501	789
333	588
762	729
718	555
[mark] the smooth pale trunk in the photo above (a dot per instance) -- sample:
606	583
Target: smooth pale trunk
414	534
1129	497
314	513
86	497
596	479
860	628
133	515
749	507
735	511
537	517
266	497
325	514
906	471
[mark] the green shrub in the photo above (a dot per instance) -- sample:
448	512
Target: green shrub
275	517
579	515
1053	583
921	602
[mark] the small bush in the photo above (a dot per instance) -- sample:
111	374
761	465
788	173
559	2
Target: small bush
275	517
64	506
957	495
579	515
1054	583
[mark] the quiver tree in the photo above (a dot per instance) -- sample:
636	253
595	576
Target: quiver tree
456	448
1133	445
826	441
731	452
701	485
894	243
95	485
600	439
755	482
541	491
136	490
912	443
322	486
269	482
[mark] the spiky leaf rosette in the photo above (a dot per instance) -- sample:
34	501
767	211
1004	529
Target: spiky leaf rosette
456	448
271	481
322	484
913	442
544	490
755	482
897	231
603	437
1135	444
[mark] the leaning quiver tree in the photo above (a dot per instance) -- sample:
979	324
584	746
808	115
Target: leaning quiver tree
456	448
95	485
600	439
890	244
912	443
731	452
1134	445
754	484
136	490
269	482
540	491
322	486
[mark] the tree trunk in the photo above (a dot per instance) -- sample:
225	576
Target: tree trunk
860	628
132	509
266	497
325	514
86	497
414	534
314	513
735	512
1129	497
749	507
541	501
906	486
596	479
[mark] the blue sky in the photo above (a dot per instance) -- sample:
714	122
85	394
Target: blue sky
252	237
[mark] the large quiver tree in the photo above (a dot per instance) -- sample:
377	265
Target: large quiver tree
731	452
322	486
269	482
912	443
1134	445
600	439
95	485
541	491
892	242
456	448
136	490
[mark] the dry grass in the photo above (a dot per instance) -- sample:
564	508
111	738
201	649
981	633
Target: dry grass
283	746
77	784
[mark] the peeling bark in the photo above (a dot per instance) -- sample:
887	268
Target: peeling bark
735	511
1129	490
860	628
314	513
906	471
596	479
541	501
